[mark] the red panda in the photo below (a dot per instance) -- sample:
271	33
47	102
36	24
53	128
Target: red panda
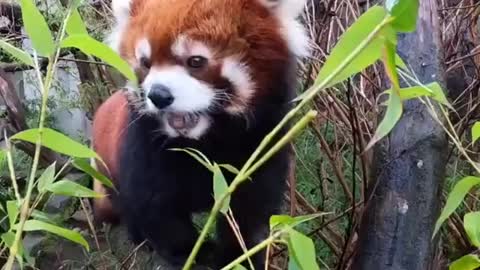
216	76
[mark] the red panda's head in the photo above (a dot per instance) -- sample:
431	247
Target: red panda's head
193	57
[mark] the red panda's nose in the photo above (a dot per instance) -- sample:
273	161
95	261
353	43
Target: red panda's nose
160	96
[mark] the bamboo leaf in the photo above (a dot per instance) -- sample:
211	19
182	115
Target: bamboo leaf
70	188
37	225
220	187
17	53
85	166
394	104
467	262
432	90
285	220
455	198
12	211
47	178
8	239
405	13
75	24
302	249
393	114
90	46
197	155
56	141
354	35
37	28
292	265
475	132
3	158
471	222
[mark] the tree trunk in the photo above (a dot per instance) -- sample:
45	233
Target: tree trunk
409	167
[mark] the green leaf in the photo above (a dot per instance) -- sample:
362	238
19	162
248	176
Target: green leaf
239	267
37	225
220	187
3	158
432	90
8	238
12	210
42	216
89	45
199	156
70	188
399	62
405	13
467	262
393	114
37	28
302	249
471	222
354	35
85	166
394	104
47	178
17	53
455	198
389	63
75	24
475	132
56	141
285	220
292	265
229	168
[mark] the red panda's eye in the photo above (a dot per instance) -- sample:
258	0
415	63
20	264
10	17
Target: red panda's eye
197	61
145	62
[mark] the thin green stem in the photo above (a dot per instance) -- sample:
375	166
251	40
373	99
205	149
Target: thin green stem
242	175
292	133
253	251
45	87
203	235
12	169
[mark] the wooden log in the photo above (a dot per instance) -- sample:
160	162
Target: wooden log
409	167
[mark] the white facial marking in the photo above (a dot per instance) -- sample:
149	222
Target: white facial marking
143	49
190	94
184	46
239	75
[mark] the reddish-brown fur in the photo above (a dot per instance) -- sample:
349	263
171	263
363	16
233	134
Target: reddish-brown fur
242	27
109	126
153	179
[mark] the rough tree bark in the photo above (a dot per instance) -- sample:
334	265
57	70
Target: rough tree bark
409	167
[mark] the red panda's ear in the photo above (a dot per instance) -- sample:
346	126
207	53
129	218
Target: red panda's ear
121	9
285	8
288	13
